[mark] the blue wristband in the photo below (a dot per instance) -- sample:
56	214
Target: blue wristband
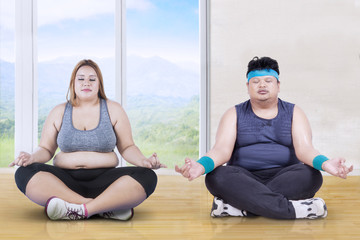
318	161
207	163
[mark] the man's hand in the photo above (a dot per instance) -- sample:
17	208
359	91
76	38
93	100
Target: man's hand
337	167
190	169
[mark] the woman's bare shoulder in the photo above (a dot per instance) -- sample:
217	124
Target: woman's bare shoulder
114	107
116	111
54	118
113	104
58	110
56	115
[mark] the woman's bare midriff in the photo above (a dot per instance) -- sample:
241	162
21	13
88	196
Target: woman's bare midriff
86	160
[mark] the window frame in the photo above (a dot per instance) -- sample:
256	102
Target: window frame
26	110
26	77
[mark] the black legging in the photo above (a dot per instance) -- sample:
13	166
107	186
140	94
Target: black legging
89	183
264	192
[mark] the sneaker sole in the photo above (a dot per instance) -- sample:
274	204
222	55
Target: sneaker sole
131	216
215	207
325	208
313	215
47	204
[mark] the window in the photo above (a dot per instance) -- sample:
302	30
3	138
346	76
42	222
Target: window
53	36
163	78
67	33
7	81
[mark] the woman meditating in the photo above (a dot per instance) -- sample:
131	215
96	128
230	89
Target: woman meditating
84	179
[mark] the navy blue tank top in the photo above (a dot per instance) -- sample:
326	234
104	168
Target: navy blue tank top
263	143
100	139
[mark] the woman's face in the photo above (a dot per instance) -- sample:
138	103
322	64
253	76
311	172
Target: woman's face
86	83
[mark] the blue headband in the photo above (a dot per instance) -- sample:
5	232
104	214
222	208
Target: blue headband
264	72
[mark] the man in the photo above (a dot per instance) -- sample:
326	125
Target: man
272	167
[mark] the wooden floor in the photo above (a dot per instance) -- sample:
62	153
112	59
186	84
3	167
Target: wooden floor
180	210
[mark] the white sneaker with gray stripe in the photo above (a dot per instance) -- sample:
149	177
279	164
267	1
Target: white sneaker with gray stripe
311	208
222	209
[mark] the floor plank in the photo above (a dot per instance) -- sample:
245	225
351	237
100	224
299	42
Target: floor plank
180	210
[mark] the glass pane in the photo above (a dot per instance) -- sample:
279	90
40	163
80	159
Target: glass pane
7	81
163	77
69	31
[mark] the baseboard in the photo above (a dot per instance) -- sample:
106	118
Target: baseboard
355	172
7	170
166	171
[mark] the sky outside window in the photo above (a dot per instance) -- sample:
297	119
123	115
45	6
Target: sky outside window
69	31
7	81
163	78
162	64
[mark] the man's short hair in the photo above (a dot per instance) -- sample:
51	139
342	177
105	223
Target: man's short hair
263	63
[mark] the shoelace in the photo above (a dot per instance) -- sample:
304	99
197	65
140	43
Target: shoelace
74	214
108	214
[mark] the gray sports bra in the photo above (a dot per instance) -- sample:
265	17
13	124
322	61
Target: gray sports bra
100	139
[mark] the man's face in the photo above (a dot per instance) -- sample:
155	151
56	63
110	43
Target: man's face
263	88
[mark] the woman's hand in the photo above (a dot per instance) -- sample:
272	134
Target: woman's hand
337	167
153	162
24	159
191	169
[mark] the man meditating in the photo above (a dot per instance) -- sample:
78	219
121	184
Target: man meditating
272	169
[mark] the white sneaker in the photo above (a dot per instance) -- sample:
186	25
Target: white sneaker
123	215
222	209
58	209
311	208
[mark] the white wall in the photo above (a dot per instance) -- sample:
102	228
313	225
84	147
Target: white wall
317	45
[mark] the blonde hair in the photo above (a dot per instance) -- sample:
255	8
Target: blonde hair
71	96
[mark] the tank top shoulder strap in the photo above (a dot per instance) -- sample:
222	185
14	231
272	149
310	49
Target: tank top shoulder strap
286	107
242	109
66	121
104	114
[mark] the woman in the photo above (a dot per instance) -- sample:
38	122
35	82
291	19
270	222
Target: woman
84	180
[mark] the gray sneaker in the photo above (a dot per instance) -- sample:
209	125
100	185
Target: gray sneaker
123	215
